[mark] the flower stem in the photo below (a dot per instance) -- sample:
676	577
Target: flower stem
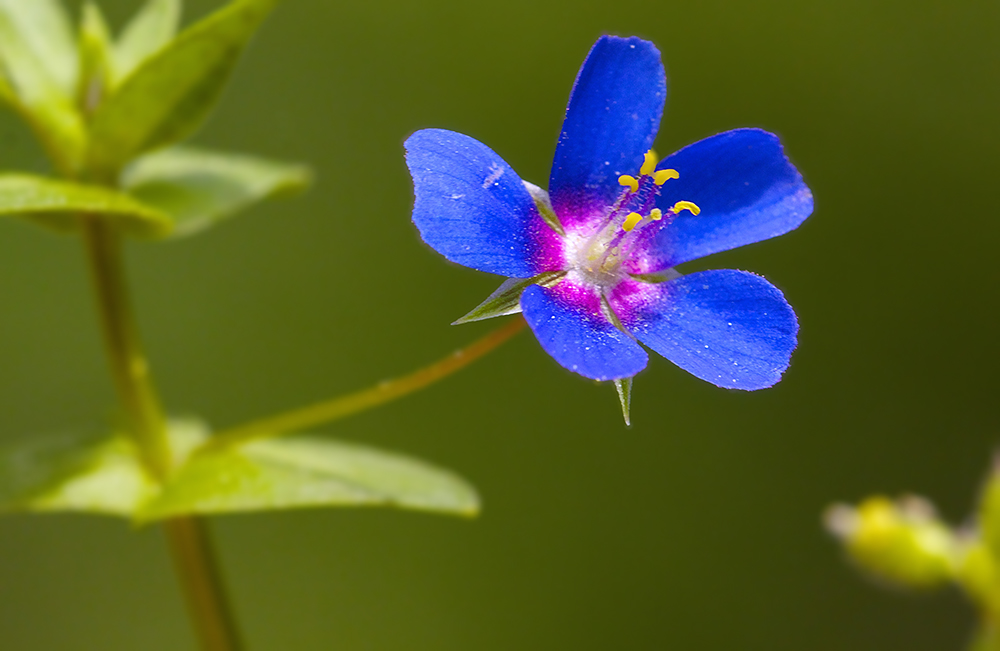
352	403
188	540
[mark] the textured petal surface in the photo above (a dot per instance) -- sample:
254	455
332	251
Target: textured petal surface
613	114
746	188
731	328
473	209
570	326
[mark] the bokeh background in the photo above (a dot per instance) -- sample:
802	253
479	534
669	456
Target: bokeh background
699	527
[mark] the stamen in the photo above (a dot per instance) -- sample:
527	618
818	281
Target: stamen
656	214
631	220
630	181
662	176
649	163
685	205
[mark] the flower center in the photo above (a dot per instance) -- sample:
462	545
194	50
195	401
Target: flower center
634	217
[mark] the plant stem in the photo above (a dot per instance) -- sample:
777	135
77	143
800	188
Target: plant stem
352	403
199	575
188	539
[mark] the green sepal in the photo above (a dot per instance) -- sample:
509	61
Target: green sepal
506	299
302	472
149	30
624	389
96	59
61	204
39	61
544	205
198	187
171	93
658	277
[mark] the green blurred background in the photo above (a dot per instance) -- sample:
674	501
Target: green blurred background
699	527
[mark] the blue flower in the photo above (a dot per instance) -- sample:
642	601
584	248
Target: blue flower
595	255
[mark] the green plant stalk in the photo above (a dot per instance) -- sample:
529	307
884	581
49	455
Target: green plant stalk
352	403
188	539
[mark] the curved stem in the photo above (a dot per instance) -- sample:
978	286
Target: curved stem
352	403
188	539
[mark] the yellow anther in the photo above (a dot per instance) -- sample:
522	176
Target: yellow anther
656	214
649	163
662	176
685	205
629	181
631	220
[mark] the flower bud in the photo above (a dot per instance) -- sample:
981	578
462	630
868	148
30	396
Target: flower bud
902	543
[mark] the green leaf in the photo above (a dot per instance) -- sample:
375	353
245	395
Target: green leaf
39	60
43	29
199	187
624	388
544	205
171	93
149	31
299	472
59	205
96	60
107	477
84	474
73	474
506	299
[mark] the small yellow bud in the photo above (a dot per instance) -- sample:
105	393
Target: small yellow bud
903	543
656	214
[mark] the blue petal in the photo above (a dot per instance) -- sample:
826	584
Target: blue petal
731	328
569	324
746	188
473	209
613	114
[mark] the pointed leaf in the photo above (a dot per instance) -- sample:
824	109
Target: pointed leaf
96	60
32	43
149	31
624	388
302	472
59	204
171	93
506	299
42	27
199	187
